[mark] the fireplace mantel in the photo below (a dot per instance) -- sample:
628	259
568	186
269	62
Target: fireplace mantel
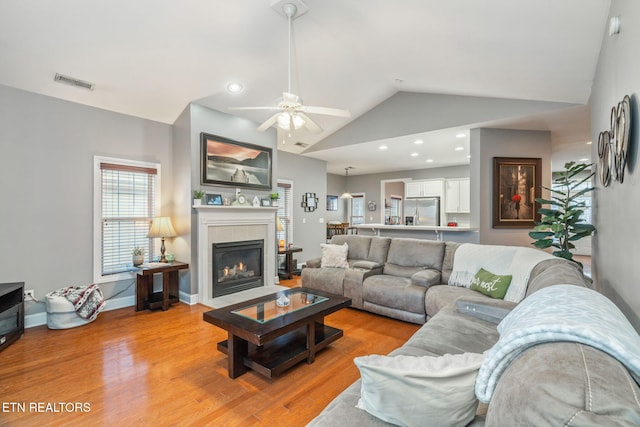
214	220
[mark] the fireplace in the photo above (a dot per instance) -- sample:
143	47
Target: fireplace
237	266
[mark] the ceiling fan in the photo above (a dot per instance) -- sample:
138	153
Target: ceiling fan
292	114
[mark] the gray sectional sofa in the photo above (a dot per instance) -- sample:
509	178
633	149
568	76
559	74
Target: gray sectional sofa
550	383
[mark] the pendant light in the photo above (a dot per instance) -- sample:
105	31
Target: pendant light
346	194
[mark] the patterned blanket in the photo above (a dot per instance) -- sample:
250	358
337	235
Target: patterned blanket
88	301
560	313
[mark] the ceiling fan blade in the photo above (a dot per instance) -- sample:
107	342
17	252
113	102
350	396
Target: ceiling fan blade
254	108
326	111
270	121
310	124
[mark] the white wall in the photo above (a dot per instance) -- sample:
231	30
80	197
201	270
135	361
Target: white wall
617	240
46	185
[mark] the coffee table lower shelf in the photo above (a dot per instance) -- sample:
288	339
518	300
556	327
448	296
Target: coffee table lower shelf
275	357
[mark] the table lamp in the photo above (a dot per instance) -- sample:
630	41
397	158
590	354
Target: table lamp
162	227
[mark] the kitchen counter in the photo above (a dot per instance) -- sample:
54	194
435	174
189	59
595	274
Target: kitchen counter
460	234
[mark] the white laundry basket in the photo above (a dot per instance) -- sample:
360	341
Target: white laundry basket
61	313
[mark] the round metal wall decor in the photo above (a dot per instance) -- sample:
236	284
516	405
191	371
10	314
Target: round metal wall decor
613	144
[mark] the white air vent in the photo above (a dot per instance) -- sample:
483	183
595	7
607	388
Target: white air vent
301	144
73	81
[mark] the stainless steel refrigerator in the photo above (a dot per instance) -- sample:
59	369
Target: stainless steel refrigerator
425	210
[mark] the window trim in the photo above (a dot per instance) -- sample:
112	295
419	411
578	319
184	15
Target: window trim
364	212
97	212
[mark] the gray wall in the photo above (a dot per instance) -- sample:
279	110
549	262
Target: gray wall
46	175
336	184
485	145
616	243
308	176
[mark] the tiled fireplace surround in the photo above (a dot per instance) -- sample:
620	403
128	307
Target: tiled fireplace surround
220	224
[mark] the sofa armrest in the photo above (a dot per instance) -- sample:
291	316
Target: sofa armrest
426	278
313	263
490	310
353	280
366	265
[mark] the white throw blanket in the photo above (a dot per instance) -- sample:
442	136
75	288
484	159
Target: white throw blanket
88	301
560	313
516	261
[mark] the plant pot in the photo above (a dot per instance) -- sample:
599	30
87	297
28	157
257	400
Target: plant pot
197	202
137	260
274	203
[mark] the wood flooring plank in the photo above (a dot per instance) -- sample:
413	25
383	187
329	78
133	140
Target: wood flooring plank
162	368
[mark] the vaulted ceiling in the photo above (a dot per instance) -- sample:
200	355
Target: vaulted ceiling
151	58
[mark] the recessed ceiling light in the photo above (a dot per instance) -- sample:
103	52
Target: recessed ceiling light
459	148
461	135
235	87
429	160
584	160
414	154
469	156
418	142
383	147
589	143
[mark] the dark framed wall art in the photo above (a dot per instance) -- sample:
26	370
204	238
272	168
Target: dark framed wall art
234	164
332	203
517	182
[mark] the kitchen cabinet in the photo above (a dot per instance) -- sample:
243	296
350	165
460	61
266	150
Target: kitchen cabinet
428	188
458	196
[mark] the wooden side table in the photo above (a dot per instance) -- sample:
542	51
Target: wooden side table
287	271
146	297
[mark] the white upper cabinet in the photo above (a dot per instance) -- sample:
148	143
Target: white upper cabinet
458	196
429	188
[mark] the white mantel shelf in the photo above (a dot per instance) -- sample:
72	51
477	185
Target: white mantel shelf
235	207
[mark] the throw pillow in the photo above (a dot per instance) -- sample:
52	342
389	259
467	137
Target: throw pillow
490	284
420	390
334	255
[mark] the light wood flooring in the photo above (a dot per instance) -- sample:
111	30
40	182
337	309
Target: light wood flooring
162	368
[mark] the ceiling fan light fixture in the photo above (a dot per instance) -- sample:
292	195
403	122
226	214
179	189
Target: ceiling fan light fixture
285	119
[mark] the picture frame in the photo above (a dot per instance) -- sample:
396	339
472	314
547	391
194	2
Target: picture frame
266	202
309	202
234	164
213	199
517	182
332	203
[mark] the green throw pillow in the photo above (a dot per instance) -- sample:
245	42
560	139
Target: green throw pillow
490	284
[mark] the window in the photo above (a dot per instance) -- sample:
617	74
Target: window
285	191
126	199
357	209
396	206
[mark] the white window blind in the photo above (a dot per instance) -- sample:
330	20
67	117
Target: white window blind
357	209
285	191
127	209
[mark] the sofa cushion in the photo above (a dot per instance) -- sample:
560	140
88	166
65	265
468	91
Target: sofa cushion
426	278
394	292
565	383
491	285
379	249
358	245
440	296
334	255
453	333
366	265
416	253
407	390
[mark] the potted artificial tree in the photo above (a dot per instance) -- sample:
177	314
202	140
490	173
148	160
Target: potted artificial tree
561	224
197	197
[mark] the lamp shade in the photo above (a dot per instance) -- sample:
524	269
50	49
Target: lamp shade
279	226
161	227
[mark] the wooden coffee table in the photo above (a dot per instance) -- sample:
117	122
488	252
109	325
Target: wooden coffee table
270	338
